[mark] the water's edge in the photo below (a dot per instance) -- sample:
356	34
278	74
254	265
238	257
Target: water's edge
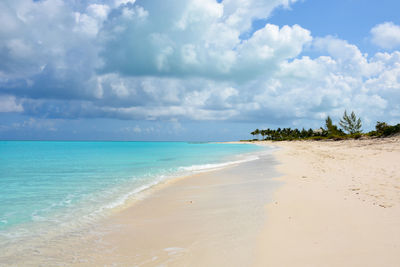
69	230
129	195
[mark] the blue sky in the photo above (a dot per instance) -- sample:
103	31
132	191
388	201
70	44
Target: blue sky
193	69
350	20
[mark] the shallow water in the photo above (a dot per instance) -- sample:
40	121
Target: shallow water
48	186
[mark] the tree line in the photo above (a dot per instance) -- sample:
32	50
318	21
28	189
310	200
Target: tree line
350	127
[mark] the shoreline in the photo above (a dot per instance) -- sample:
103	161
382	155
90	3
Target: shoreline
193	220
176	177
66	248
304	204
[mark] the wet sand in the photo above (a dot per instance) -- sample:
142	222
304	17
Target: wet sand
209	219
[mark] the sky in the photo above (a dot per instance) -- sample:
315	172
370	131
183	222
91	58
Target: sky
193	70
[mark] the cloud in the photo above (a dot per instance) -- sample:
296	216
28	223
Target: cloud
343	78
132	60
198	39
386	35
61	50
9	104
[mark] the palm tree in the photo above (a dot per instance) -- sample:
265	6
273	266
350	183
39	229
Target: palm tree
263	133
253	133
257	132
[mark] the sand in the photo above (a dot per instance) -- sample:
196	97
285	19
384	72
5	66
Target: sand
208	219
340	205
308	204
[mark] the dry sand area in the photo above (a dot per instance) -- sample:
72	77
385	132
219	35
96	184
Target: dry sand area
340	205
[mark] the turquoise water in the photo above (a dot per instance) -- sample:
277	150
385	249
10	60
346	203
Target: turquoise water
60	183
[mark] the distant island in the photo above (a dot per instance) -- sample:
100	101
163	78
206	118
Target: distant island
350	128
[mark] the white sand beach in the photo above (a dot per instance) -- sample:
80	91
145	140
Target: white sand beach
116	117
339	206
307	204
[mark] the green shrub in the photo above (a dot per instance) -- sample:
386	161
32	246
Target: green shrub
317	138
350	123
356	135
383	129
390	130
337	137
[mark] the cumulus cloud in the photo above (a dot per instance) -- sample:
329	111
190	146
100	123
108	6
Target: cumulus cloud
61	49
386	35
197	38
342	79
134	60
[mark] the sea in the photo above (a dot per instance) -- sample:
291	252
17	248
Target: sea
48	185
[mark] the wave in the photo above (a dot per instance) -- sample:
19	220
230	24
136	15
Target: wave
214	166
181	171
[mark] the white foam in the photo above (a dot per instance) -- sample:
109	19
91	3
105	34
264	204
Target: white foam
181	171
122	200
207	167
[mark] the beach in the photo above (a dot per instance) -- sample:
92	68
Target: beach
339	206
207	219
336	204
331	203
192	133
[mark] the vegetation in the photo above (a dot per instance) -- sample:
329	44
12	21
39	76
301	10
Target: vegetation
332	130
350	124
255	132
382	129
350	128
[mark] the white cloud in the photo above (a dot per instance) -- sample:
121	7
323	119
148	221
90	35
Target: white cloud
348	57
386	35
343	79
240	14
119	59
9	104
98	11
197	38
119	89
124	2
